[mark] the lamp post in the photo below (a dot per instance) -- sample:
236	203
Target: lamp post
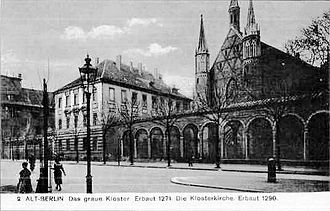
88	76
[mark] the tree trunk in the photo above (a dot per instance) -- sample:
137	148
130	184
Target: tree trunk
104	146
131	145
278	146
217	155
168	147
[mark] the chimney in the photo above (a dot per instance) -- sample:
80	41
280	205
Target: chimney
97	61
175	90
20	75
131	66
140	68
118	62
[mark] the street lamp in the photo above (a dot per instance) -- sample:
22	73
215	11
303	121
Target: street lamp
88	75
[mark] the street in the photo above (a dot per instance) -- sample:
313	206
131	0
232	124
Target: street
111	178
155	177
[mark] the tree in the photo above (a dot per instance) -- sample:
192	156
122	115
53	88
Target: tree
164	113
76	132
109	119
128	115
212	104
313	42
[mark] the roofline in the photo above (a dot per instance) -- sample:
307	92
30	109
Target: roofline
24	104
69	86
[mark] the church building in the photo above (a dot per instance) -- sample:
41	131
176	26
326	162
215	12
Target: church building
278	103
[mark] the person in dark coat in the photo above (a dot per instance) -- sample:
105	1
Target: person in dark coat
58	168
24	183
32	161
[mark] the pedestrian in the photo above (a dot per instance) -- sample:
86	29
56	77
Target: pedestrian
58	168
190	161
32	161
24	183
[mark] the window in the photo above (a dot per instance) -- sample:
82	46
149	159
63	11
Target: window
67	100
59	102
60	145
68	144
94	95
75	99
85	120
144	101
154	102
197	81
185	106
134	98
94	118
84	98
112	94
68	122
84	143
75	121
94	144
123	96
178	105
60	124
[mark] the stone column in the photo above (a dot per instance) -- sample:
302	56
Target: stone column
121	148
305	143
200	136
164	146
135	147
245	144
181	146
149	147
221	144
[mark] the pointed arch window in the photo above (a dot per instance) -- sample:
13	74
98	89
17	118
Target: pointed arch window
253	48
248	49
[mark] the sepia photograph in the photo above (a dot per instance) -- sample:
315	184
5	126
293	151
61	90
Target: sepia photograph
165	105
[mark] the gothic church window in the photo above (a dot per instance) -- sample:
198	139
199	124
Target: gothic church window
248	49
254	48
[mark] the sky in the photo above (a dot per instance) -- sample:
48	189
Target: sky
50	38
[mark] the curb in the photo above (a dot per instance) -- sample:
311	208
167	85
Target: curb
175	180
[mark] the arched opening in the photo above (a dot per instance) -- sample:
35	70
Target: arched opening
190	142
126	142
260	139
175	143
157	146
113	143
141	137
233	140
209	142
291	136
318	133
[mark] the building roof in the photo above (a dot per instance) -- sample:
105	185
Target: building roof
128	76
21	96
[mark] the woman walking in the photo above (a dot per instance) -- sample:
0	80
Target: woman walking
58	168
24	183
